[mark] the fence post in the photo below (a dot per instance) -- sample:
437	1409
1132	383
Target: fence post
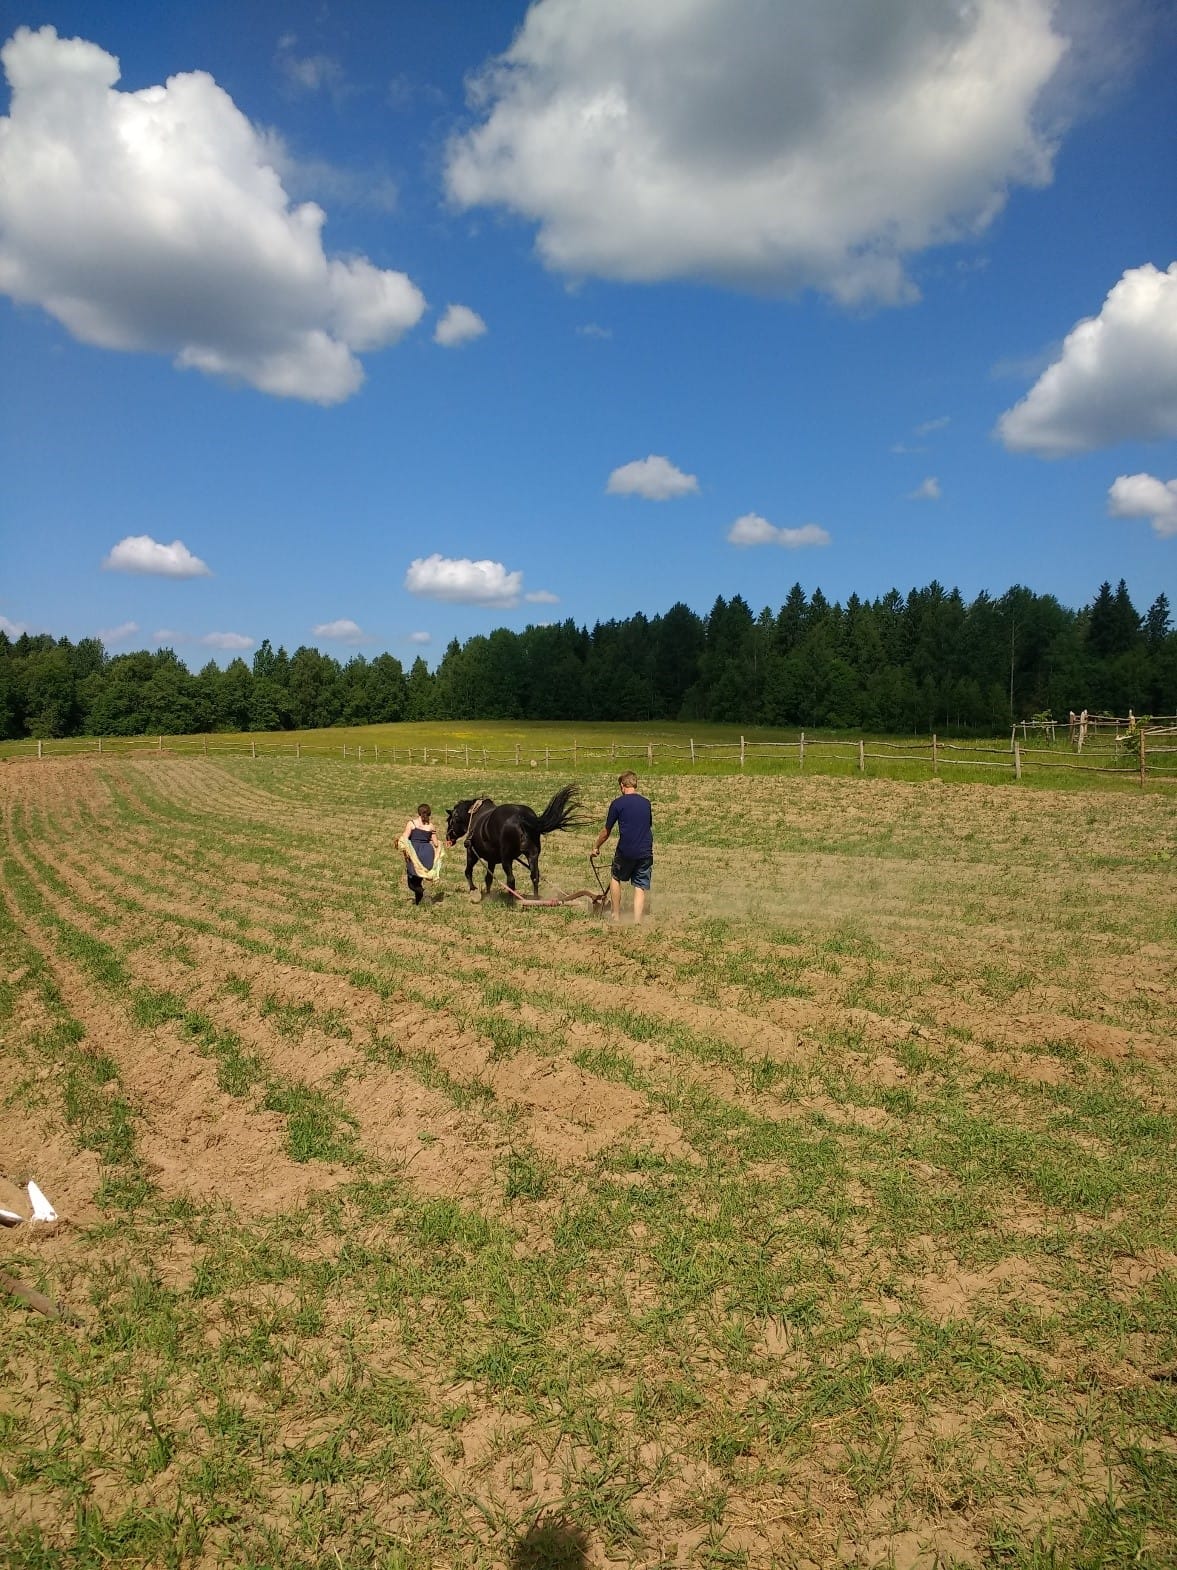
1023	730
206	746
100	746
650	753
467	754
692	749
934	763
1013	731
253	749
1017	761
741	752
1142	752
545	760
801	754
160	747
516	754
574	754
861	756
38	749
298	749
376	749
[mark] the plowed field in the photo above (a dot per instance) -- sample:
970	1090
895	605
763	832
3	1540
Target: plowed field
827	1219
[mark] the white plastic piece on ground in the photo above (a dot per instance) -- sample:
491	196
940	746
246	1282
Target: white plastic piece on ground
42	1209
9	1218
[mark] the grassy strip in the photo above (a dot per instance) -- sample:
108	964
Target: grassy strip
318	1127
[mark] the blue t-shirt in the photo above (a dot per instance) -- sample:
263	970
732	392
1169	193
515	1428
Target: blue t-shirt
635	819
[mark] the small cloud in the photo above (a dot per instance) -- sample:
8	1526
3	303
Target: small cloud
459	325
542	597
310	73
235	641
904	447
1144	496
928	491
346	630
14	629
140	553
929	426
169	636
464	582
594	330
654	477
421	637
405	94
752	529
125	629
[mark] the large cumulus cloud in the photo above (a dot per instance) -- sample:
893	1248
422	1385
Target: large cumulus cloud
155	220
1115	380
778	145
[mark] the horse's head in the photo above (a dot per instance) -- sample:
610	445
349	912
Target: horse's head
457	821
458	818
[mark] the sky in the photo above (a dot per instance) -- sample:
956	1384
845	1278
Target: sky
372	325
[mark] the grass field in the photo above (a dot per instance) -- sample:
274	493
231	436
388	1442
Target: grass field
826	1220
671	748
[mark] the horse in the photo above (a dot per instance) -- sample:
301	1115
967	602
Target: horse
508	833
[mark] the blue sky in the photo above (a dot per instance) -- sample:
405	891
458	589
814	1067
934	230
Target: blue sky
855	296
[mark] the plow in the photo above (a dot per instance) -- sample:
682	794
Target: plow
598	898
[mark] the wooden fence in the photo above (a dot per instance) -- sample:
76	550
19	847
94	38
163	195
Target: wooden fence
1150	754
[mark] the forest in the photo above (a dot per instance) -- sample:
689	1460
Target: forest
899	665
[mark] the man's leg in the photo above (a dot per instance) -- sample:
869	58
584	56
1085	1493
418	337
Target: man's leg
615	898
639	903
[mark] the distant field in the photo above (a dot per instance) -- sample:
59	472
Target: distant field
666	748
827	1220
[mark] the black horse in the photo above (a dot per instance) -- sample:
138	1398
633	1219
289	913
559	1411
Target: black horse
508	834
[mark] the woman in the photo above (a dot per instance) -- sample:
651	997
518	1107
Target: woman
420	845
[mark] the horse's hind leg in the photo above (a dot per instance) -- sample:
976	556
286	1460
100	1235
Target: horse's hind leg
509	873
490	872
471	863
533	868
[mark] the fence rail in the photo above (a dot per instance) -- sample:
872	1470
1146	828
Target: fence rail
1146	754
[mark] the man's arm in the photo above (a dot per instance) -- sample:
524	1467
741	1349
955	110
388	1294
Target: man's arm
607	830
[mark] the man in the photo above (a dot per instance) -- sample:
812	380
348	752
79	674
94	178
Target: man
633	860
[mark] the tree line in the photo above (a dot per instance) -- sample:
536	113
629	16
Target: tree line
927	661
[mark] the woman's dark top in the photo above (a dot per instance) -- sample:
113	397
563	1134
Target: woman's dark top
422	842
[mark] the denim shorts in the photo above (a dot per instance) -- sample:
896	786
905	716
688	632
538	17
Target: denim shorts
632	869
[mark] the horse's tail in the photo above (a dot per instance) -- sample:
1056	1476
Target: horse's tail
562	811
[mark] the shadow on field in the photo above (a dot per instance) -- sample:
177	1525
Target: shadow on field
551	1544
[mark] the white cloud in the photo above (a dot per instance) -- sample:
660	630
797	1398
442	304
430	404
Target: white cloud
464	582
310	73
156	221
420	637
14	629
594	330
807	146
169	636
927	491
1115	380
655	478
124	630
235	641
752	529
1144	496
459	325
542	597
344	629
140	553
929	426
